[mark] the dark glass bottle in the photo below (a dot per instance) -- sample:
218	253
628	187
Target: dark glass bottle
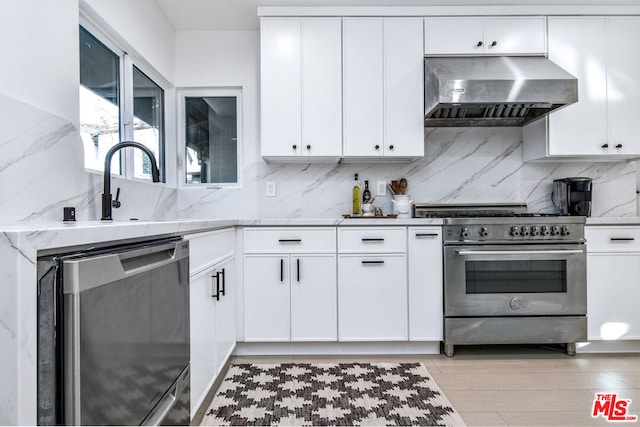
366	194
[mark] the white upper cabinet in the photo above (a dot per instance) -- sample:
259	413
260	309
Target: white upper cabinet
403	88
383	88
623	90
363	90
485	36
603	123
301	89
321	87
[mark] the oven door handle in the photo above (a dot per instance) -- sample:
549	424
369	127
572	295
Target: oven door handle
525	252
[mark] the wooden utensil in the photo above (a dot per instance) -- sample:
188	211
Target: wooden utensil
395	186
402	184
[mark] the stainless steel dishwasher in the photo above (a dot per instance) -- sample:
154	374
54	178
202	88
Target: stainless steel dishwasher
113	335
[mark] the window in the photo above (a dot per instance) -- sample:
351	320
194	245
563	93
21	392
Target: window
107	117
212	136
148	117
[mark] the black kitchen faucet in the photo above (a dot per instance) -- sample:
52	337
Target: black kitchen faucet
107	201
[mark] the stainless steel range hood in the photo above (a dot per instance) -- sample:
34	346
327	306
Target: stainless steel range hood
494	91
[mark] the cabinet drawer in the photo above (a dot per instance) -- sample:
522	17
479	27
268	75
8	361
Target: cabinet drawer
612	239
207	248
285	240
372	240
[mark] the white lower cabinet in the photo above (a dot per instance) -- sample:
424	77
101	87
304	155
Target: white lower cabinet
372	284
372	297
202	319
613	282
266	298
425	284
212	316
225	314
290	284
290	298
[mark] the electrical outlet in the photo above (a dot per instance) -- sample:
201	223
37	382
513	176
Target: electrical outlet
271	189
382	188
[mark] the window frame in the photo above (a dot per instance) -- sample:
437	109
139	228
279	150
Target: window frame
222	91
127	60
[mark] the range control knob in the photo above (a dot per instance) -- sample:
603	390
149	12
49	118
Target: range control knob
484	232
555	230
565	230
464	233
524	231
545	231
535	230
515	231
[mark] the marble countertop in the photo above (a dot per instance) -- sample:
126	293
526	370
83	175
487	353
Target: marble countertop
363	221
59	235
33	237
631	220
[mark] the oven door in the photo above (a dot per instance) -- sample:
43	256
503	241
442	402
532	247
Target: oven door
515	280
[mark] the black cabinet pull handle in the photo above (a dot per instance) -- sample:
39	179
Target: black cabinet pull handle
622	239
378	239
308	147
426	234
290	240
479	44
495	43
377	147
391	147
373	262
216	293
619	146
294	146
605	145
281	270
298	268
224	281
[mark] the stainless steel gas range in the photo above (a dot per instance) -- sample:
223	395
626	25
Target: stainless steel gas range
511	277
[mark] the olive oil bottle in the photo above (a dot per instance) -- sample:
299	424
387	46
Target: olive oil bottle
357	204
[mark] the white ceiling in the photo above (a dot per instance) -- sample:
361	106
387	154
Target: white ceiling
241	14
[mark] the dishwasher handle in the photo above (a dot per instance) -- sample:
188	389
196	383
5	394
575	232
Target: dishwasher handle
84	273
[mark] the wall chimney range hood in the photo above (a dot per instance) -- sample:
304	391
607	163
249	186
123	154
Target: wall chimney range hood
494	91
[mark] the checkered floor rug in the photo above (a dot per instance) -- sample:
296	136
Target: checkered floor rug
330	394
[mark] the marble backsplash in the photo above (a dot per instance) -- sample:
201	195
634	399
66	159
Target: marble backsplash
41	171
461	165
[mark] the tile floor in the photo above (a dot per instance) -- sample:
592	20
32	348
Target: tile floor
519	385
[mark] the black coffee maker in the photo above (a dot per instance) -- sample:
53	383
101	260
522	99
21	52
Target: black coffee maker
572	196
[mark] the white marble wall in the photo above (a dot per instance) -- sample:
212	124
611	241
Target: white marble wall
462	165
42	171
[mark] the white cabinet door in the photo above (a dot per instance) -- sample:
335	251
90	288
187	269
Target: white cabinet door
372	298
622	85
266	298
225	313
425	284
578	44
301	88
613	286
280	86
450	36
403	88
503	36
202	346
363	86
485	36
314	307
321	87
